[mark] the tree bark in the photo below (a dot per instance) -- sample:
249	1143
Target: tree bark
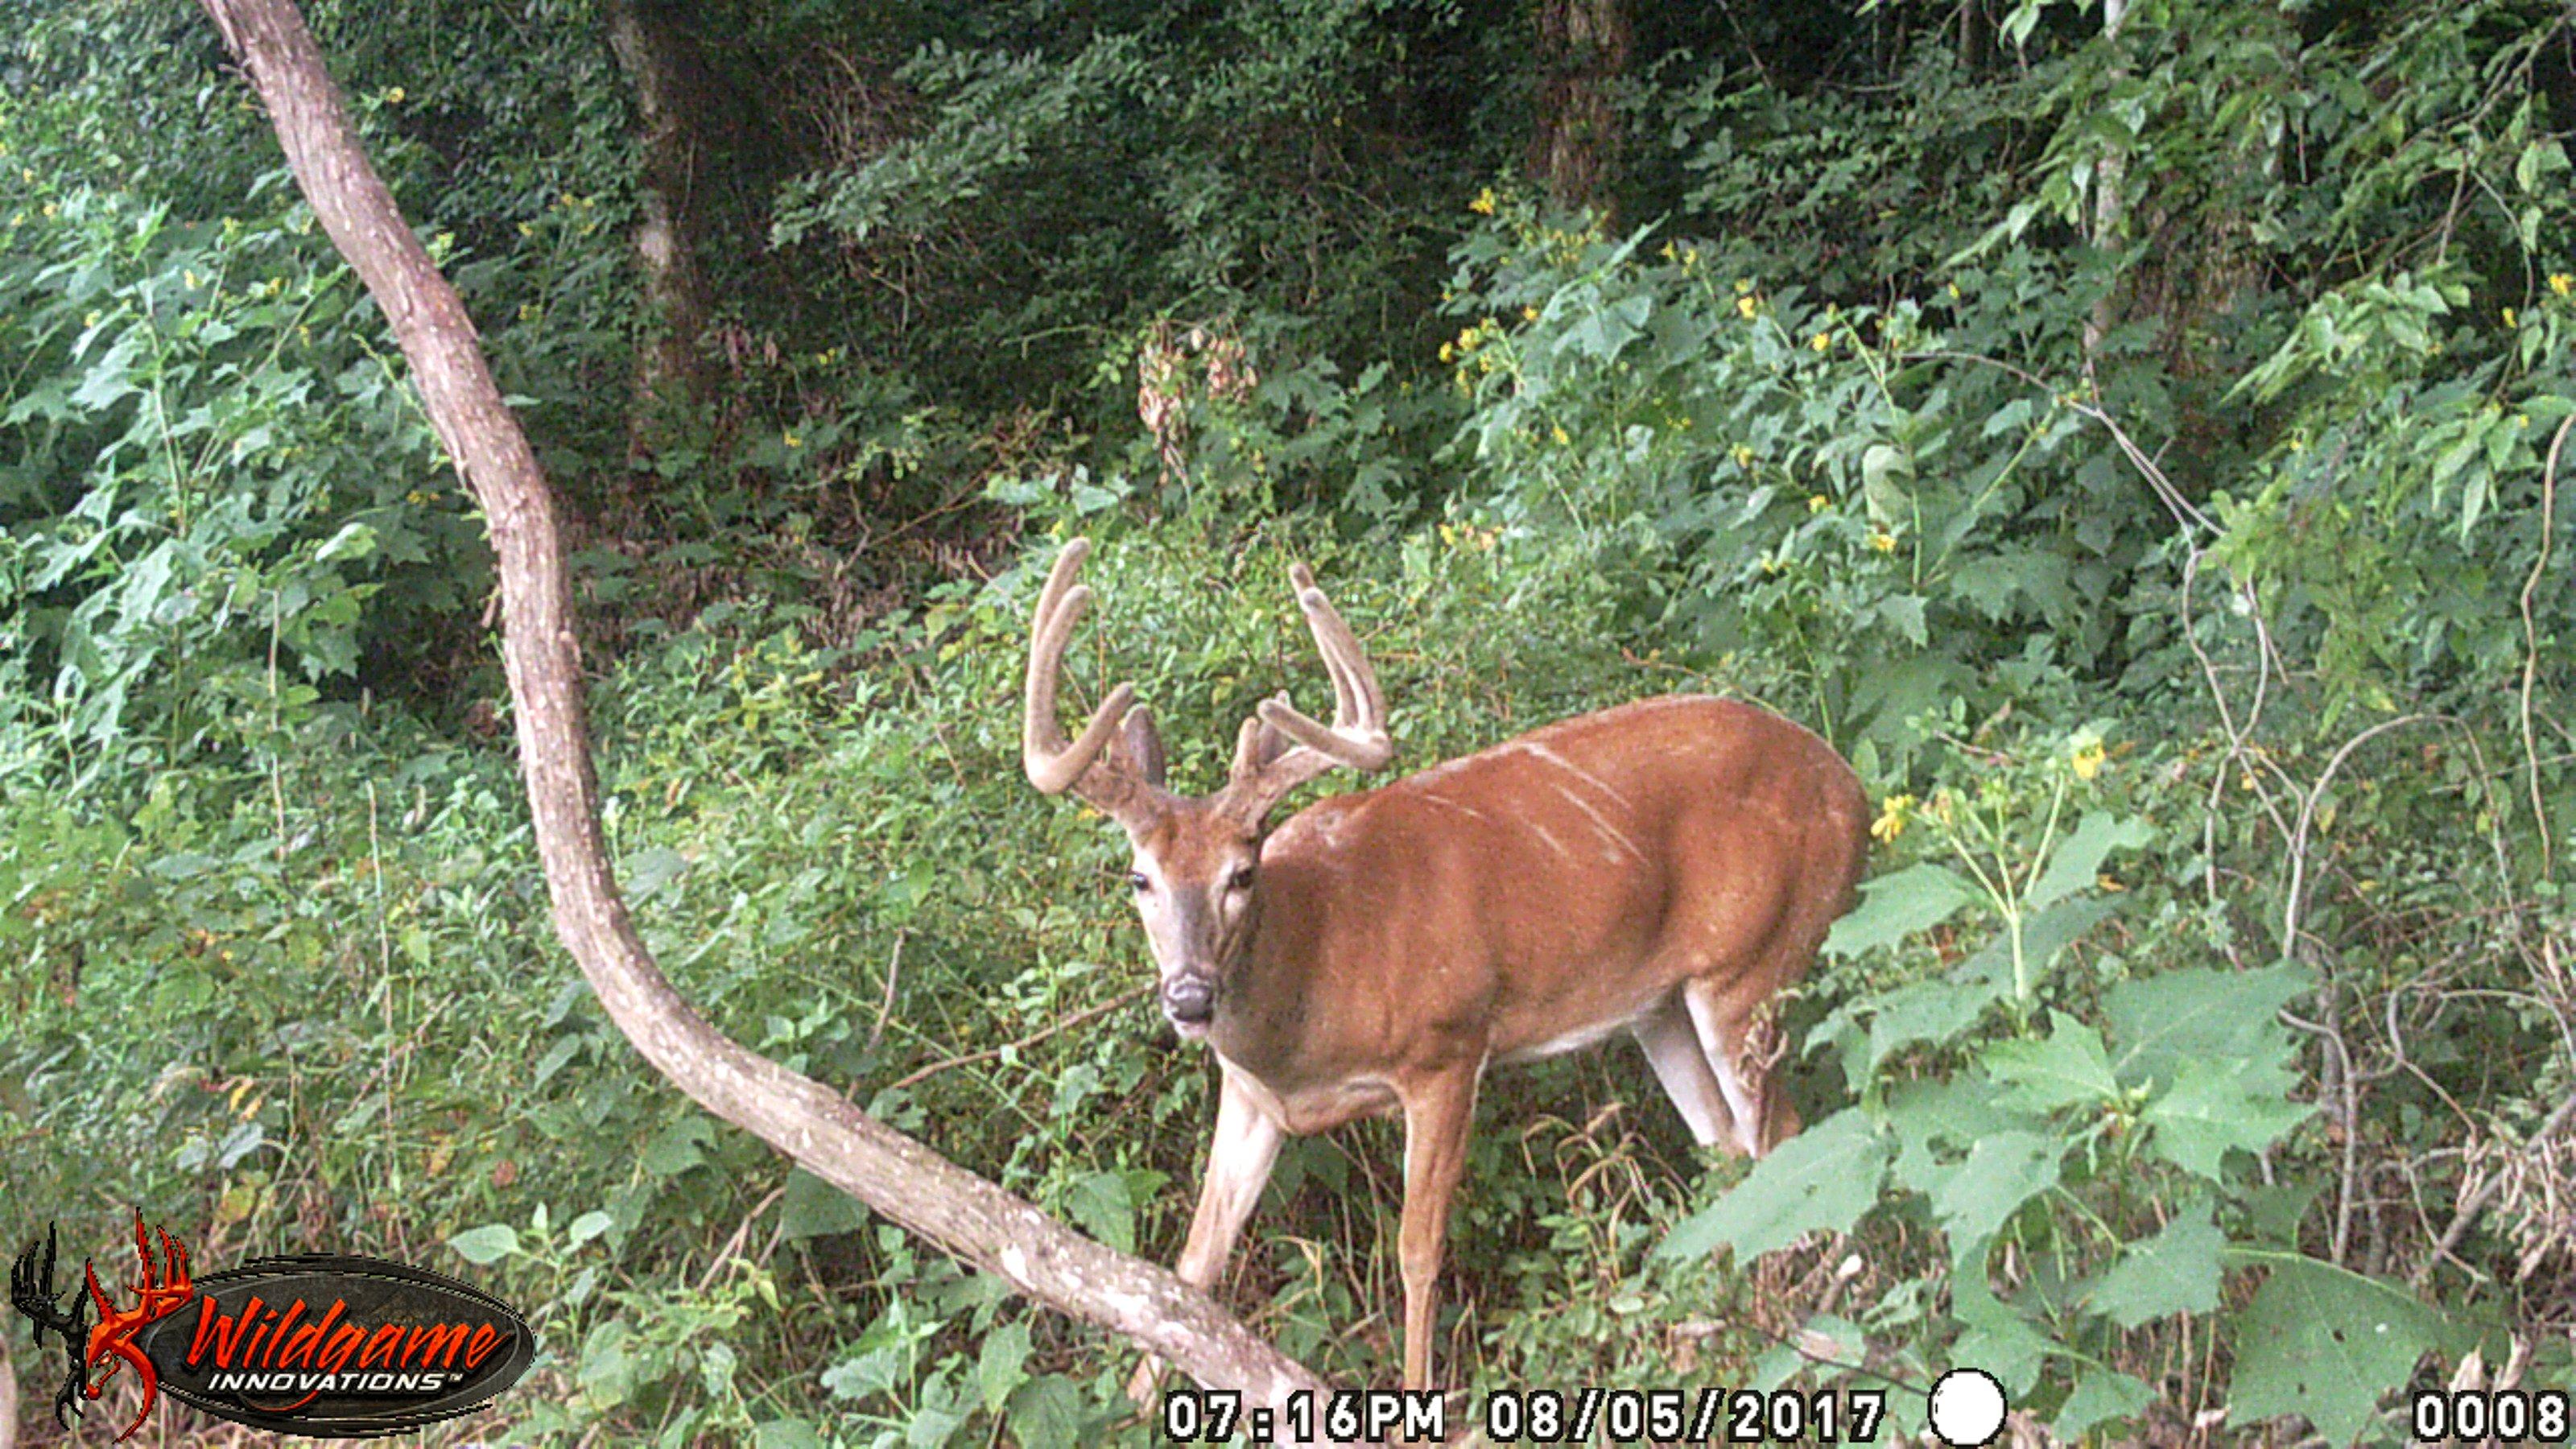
1574	149
2110	202
963	1214
671	89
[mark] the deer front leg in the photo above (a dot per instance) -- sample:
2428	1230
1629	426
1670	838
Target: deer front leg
1245	1144
1437	1111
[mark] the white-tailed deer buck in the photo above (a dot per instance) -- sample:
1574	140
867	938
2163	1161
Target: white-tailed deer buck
1661	868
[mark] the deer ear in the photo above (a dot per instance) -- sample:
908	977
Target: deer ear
1139	746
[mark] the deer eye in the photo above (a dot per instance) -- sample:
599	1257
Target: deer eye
1137	879
1241	880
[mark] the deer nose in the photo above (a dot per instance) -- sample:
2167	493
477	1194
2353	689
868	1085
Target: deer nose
1189	999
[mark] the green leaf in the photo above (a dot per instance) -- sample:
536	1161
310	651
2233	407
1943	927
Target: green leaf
1047	1410
2325	1343
1935	1011
2201	1014
586	1227
1896	906
2212	1106
2077	860
1905	611
487	1244
2100	1395
2066	1067
786	1434
1102	1204
2176	1271
677	1148
1001	1366
650	872
1928	1116
1996	1338
1825	1177
813	1208
2002	1172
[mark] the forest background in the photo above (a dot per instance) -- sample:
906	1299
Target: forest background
2130	433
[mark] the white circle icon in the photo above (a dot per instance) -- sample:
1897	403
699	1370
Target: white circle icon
1967	1408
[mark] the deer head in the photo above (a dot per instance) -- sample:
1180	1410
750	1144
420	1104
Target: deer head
1196	872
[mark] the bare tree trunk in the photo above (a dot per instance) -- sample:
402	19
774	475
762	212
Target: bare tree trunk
962	1213
2110	204
671	90
8	1397
1574	149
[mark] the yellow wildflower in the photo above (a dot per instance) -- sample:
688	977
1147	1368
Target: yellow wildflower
1558	432
1883	541
530	312
1892	818
189	276
1483	205
1747	306
1529	314
1818	503
2088	760
2510	320
1448	352
394	97
1954	291
1743	285
1822	341
794	441
2561	283
1743	456
49	211
2109	883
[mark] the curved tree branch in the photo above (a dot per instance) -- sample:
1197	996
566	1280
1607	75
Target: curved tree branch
962	1213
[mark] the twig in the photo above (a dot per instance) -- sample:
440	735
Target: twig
2531	638
2476	1201
1079	1017
885	1008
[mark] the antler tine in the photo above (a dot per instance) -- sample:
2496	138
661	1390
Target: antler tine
1357	737
1054	766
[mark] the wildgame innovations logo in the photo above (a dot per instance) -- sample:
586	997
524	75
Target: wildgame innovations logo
328	1347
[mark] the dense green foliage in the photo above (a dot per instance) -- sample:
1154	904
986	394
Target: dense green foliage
2133	451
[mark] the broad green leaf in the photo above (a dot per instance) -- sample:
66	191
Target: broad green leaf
2066	1067
2161	1022
677	1148
2325	1343
2212	1106
2101	1394
487	1244
2077	860
1047	1410
2002	1172
1896	906
2176	1271
1106	1210
1996	1338
790	1433
1934	1011
650	872
813	1208
1001	1366
1929	1116
1825	1177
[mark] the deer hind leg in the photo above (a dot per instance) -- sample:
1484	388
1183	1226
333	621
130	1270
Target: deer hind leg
1741	1039
1673	1049
1437	1113
1240	1153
